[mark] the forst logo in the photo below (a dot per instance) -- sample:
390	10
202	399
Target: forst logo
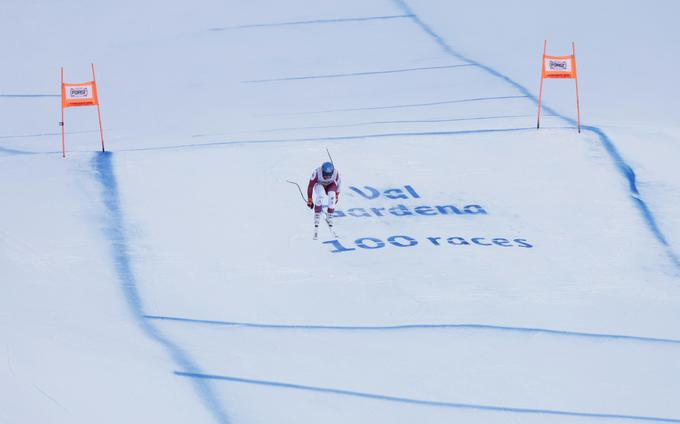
557	65
81	92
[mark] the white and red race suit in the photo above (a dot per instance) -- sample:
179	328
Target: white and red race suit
323	188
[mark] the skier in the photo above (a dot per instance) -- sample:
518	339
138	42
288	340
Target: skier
325	183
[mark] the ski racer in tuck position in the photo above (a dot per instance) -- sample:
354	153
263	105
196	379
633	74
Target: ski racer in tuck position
324	185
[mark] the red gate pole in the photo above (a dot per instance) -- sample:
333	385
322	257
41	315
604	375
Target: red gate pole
578	106
63	145
540	92
99	111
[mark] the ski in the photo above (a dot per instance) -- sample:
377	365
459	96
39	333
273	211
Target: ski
317	217
329	222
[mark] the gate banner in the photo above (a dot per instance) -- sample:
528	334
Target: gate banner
559	67
81	94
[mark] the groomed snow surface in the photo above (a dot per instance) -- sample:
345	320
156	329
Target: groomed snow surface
486	272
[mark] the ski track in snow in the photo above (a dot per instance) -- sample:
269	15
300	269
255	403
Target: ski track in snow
115	232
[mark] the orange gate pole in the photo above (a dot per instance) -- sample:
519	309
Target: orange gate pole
578	106
99	111
63	144
540	92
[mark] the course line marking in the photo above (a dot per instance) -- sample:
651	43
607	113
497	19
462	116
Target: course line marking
435	403
115	233
398	327
400	106
313	22
355	74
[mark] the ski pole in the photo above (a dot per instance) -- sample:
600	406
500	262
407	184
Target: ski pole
329	156
299	189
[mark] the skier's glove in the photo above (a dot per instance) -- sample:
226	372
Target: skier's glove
310	203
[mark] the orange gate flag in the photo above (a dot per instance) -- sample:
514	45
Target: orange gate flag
563	67
559	67
79	94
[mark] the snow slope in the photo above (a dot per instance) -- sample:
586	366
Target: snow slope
486	271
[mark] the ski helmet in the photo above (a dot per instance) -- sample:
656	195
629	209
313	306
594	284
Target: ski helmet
327	169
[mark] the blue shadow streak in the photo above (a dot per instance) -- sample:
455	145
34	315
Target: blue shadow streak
355	74
115	233
620	163
412	401
484	327
313	22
